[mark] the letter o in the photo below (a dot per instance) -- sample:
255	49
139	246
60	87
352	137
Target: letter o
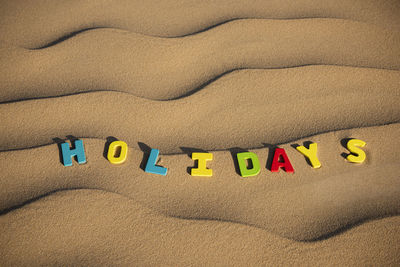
112	149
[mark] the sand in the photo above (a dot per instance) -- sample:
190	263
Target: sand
187	76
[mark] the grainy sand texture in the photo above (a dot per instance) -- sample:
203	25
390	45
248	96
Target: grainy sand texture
222	77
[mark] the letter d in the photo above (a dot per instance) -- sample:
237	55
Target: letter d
242	158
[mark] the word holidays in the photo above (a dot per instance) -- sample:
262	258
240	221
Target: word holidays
248	162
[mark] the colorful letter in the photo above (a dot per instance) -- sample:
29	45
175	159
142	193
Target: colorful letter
201	169
311	154
359	156
242	159
151	166
276	164
68	153
112	149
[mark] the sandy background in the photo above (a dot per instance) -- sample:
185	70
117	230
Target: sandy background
186	76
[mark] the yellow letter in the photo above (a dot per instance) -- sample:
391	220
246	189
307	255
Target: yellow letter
112	150
352	147
311	154
201	169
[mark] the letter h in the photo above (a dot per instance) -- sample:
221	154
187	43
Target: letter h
68	153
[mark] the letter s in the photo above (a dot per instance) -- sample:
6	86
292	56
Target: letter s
360	155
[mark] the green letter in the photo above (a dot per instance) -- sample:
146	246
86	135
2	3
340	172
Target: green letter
242	159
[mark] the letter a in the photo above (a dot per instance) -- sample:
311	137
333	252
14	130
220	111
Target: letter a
242	158
112	148
276	164
201	169
151	166
311	154
68	153
359	156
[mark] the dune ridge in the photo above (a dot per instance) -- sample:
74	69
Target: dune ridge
127	232
44	20
185	76
305	206
328	75
165	68
261	116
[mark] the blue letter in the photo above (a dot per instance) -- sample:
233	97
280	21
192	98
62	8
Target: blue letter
151	164
68	153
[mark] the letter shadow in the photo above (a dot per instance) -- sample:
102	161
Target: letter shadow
344	142
234	151
109	139
271	152
188	151
60	141
146	153
307	145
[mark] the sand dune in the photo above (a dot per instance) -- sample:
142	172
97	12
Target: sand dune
182	76
287	110
164	68
64	232
303	206
40	22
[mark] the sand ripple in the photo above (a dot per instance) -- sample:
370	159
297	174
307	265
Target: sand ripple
165	68
305	206
83	226
181	76
40	21
262	107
